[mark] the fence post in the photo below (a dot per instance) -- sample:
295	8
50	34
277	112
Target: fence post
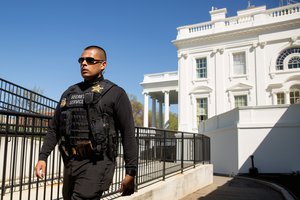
164	156
30	102
138	152
4	159
14	160
203	149
194	138
182	145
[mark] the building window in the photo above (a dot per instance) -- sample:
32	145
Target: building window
240	100
293	61
239	63
201	68
201	110
294	96
280	98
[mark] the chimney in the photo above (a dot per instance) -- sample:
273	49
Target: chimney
218	14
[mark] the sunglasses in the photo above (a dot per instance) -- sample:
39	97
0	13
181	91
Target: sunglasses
89	60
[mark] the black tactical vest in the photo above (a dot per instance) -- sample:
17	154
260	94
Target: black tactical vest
74	123
82	117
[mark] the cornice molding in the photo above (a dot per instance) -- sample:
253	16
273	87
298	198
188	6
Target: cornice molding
227	35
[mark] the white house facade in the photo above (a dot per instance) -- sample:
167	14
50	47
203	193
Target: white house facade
233	74
250	59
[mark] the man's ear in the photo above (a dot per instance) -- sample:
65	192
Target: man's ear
103	66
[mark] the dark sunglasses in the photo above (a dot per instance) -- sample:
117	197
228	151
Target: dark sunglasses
89	60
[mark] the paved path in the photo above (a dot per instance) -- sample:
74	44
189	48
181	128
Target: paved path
228	188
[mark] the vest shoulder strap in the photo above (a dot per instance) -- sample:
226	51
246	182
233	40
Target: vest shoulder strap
105	85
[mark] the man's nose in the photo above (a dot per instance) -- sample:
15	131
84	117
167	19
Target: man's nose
84	63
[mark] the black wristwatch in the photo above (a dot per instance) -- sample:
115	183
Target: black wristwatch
131	172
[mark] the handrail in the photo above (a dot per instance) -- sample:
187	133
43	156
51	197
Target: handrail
161	154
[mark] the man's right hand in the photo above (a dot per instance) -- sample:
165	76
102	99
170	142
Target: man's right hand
40	169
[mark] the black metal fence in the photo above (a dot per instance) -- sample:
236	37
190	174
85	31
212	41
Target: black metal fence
161	154
24	119
164	152
16	98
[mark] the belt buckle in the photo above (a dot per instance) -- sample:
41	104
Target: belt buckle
74	151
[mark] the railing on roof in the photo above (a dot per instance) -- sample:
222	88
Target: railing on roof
282	11
258	18
161	77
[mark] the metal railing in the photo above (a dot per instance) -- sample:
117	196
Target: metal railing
250	19
24	119
161	154
16	98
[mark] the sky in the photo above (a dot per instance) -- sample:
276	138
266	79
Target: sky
41	41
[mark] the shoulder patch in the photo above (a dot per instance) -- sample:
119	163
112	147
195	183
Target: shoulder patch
63	102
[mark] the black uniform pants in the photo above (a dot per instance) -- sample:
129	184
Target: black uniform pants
87	179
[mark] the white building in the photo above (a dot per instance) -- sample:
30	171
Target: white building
252	59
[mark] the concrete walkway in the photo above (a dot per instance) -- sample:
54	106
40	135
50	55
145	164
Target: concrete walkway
228	188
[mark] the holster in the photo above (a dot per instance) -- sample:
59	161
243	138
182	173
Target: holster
83	149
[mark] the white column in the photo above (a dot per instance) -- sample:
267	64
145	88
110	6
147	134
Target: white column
231	99
287	97
160	120
184	108
146	109
153	120
167	109
259	55
219	82
274	98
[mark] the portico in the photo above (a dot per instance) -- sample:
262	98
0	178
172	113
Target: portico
162	88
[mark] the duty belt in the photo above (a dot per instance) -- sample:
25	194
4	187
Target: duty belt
84	150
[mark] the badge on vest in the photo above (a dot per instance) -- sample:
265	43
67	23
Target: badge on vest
97	88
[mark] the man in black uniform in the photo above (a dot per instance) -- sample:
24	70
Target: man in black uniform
85	126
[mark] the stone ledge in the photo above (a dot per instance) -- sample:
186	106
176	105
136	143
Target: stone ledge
177	186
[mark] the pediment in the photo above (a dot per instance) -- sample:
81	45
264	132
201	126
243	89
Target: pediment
240	86
201	89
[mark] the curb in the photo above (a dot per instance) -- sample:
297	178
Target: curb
286	194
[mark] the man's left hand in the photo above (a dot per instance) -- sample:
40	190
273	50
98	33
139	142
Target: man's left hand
127	185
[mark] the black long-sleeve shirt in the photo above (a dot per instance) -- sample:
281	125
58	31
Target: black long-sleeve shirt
116	102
